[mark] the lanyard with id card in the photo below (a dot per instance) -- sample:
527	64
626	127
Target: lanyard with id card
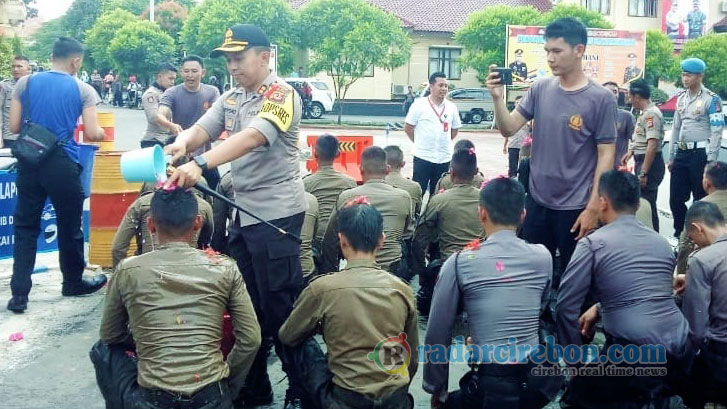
445	125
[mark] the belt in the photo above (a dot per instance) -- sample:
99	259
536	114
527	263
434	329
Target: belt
687	146
198	399
504	370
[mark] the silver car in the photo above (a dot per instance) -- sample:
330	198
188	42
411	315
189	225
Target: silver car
474	104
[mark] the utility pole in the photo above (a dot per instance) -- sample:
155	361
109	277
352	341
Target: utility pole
151	10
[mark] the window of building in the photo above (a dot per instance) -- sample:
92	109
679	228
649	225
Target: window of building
445	60
642	8
601	6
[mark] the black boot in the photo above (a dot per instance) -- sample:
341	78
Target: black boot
18	303
85	286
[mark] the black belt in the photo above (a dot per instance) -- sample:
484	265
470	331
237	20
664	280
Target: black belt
504	370
204	396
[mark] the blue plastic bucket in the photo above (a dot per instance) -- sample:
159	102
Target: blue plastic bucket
144	165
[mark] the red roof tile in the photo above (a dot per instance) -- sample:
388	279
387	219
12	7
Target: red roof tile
444	16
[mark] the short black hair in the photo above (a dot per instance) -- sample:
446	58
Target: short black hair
174	210
569	29
464	164
327	147
362	225
704	212
464	144
193	57
504	200
66	47
622	189
641	88
434	76
717	174
20	57
394	156
607	83
373	160
166	67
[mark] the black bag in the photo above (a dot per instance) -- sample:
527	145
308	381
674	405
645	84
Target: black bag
35	142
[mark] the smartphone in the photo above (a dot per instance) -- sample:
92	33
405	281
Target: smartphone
505	75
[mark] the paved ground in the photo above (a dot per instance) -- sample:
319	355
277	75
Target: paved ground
50	368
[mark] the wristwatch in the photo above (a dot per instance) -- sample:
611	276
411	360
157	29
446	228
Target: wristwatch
201	162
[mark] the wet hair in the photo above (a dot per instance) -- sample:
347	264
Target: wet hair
174	210
66	47
21	58
641	88
463	144
193	57
166	67
394	156
362	225
464	164
704	212
434	76
327	147
622	189
504	200
717	174
569	29
373	160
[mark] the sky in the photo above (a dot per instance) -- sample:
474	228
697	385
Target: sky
50	9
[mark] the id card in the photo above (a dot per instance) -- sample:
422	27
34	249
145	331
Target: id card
446	126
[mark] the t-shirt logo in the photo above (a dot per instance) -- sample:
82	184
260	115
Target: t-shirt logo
576	122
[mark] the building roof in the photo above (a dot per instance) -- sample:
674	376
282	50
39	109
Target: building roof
444	16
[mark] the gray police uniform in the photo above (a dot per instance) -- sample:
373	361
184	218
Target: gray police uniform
6	97
696	137
155	134
503	285
650	125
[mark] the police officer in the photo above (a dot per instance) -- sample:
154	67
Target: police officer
165	301
624	126
445	182
157	134
20	68
628	268
134	224
262	116
503	284
632	71
696	137
450	220
705	304
310	225
356	310
519	67
646	146
393	204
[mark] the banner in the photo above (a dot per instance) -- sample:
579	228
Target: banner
611	55
684	20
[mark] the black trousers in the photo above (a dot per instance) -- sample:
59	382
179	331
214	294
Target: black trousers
686	178
513	160
270	265
116	375
551	228
60	179
653	180
708	377
427	174
119	99
322	393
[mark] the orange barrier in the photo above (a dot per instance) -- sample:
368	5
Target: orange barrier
349	161
107	122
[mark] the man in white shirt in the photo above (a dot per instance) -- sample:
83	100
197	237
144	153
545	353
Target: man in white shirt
432	123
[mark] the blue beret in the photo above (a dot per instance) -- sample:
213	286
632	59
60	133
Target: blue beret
693	66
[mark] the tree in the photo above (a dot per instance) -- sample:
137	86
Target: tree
137	7
712	49
100	36
591	19
484	34
41	44
660	61
80	17
6	56
170	16
139	47
30	8
348	37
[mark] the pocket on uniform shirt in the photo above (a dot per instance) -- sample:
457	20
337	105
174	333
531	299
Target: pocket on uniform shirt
284	270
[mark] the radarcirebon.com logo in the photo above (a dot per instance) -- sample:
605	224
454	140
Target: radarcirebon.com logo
392	355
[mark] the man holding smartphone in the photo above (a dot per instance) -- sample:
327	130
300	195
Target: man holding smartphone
573	142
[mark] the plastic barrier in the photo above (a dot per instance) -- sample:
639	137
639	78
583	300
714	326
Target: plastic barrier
349	161
106	121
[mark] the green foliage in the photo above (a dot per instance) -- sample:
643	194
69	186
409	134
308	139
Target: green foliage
660	61
591	19
41	44
712	49
17	46
102	33
80	17
139	47
484	33
205	27
138	7
347	37
170	16
658	96
6	56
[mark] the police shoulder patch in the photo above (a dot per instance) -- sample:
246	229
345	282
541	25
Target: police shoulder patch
278	106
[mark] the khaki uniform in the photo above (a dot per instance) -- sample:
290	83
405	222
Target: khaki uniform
310	225
395	207
445	182
650	125
631	73
451	218
150	102
686	245
174	298
326	184
134	225
396	179
697	119
355	310
6	97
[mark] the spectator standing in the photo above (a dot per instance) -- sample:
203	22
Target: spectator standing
20	68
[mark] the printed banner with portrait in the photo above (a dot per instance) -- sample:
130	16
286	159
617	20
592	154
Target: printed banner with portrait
684	19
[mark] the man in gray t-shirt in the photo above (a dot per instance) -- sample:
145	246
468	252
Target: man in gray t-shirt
573	142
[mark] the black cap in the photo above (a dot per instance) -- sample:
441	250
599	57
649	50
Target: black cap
239	38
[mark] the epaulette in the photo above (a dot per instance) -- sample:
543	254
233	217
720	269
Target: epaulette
317	276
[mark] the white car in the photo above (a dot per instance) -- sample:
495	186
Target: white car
322	96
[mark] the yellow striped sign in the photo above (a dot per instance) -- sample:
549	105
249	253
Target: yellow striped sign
347	146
